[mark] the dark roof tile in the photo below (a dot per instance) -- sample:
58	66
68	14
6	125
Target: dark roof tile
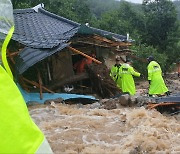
41	29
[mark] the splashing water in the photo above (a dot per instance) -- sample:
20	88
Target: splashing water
70	129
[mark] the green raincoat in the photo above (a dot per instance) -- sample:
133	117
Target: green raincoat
157	85
126	73
115	74
18	133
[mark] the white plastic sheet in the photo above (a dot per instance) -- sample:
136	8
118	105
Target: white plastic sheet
6	17
6	20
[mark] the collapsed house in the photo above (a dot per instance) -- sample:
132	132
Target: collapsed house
46	48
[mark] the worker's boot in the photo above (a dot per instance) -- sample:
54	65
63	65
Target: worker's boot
167	93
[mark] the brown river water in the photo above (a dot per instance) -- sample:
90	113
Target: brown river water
79	129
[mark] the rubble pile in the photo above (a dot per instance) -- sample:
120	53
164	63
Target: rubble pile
102	83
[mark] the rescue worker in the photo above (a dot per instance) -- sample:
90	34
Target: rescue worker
18	132
80	65
127	72
156	82
114	73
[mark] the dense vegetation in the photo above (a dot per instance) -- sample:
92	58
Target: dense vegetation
154	25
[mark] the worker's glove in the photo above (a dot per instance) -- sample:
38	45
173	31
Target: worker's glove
167	93
142	76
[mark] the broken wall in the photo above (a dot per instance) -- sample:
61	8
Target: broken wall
62	67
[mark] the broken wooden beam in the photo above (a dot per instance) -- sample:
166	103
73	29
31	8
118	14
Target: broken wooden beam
69	80
89	43
36	84
85	55
113	43
151	106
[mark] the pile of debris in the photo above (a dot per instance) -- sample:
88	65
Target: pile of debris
101	81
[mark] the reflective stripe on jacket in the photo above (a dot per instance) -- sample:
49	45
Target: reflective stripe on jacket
126	72
18	132
157	85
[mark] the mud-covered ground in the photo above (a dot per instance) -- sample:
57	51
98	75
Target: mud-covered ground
91	129
172	81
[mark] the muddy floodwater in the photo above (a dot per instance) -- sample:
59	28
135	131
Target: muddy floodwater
79	129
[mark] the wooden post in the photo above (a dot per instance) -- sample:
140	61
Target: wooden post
40	85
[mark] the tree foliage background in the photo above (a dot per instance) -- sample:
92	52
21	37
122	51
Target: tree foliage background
154	24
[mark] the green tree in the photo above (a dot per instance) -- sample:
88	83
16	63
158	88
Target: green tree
173	48
20	4
76	10
142	51
160	21
99	7
82	11
123	20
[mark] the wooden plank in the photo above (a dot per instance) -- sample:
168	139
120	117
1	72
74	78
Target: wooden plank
11	57
96	39
100	45
113	43
151	106
36	84
24	85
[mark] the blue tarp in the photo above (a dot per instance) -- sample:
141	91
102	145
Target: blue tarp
35	97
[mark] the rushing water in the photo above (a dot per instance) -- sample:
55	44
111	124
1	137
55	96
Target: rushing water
79	129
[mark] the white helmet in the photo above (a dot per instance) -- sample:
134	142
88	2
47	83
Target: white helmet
118	58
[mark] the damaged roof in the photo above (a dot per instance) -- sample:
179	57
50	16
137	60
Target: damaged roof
42	29
44	33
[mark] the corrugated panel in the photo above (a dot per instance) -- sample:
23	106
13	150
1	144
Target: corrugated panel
30	56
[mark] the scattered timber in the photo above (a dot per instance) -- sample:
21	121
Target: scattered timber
101	81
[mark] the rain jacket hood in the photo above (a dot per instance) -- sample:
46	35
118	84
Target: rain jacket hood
18	133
